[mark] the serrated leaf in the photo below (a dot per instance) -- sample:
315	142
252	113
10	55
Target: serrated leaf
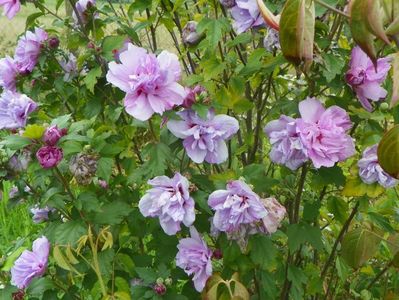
214	29
34	131
15	142
91	78
112	213
111	43
358	246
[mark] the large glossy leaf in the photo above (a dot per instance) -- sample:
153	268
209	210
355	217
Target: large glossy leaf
358	246
297	26
388	152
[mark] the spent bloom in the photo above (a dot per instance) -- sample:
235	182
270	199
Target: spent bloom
53	134
190	36
323	132
83	167
370	170
15	109
28	49
81	7
70	67
10	8
169	199
40	214
150	81
49	156
237	205
192	94
228	3
287	148
275	214
194	257
31	264
8	73
204	139
19	162
246	15
366	79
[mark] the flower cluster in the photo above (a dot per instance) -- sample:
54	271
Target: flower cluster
149	81
366	79
370	170
31	264
319	135
50	155
169	199
204	139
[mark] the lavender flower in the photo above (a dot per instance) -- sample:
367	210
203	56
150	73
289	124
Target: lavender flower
169	199
70	67
323	133
190	36
53	134
365	79
10	7
246	15
40	214
8	73
204	139
194	257
49	156
150	82
81	7
237	205
287	147
14	110
31	264
271	41
28	49
370	170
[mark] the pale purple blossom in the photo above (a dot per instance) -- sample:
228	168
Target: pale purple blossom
204	139
190	36
194	257
246	15
49	156
81	7
15	109
31	264
10	7
40	214
287	148
70	67
8	73
169	199
370	170
237	205
19	162
149	81
271	41
366	79
28	49
323	132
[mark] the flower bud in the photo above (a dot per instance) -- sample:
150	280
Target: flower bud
53	42
102	183
217	254
228	3
160	289
53	134
19	295
190	35
159	280
83	167
384	106
192	95
90	45
168	281
49	156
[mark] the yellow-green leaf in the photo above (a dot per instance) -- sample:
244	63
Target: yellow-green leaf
34	131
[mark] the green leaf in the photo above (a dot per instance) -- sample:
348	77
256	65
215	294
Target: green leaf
15	142
148	275
358	246
333	66
112	213
214	29
263	251
297	26
104	168
111	43
158	154
39	285
69	232
338	207
298	234
91	78
61	121
34	131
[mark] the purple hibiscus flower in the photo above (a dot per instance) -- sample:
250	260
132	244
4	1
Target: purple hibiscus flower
204	139
150	81
287	148
237	205
40	214
10	7
8	73
194	257
365	79
169	199
49	156
31	264
370	170
81	7
323	132
28	49
246	15
14	110
52	135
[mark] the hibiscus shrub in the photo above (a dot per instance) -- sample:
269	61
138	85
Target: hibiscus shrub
190	149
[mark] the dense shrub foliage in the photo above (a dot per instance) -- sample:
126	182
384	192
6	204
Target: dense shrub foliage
201	149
